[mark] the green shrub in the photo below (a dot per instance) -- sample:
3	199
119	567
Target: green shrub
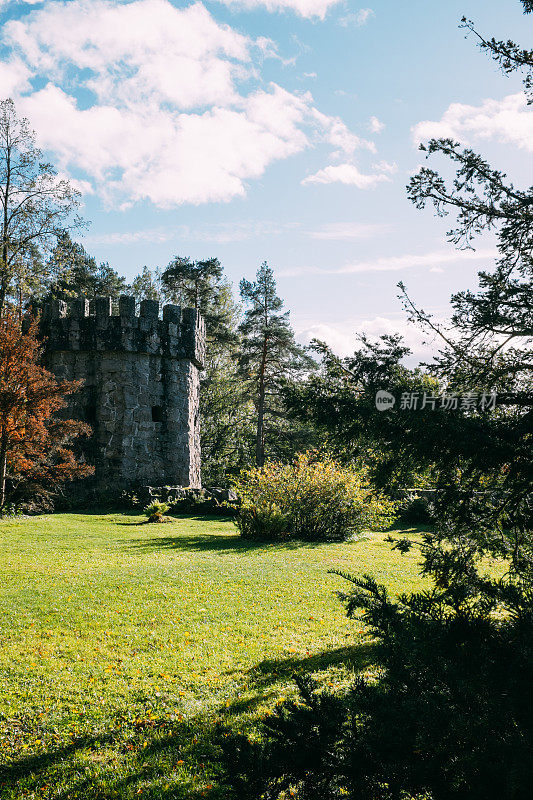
10	510
156	511
417	511
309	499
265	521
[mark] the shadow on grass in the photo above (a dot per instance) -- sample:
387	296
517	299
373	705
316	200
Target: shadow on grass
405	527
101	511
34	763
263	677
356	657
215	542
80	770
223	542
174	518
167	759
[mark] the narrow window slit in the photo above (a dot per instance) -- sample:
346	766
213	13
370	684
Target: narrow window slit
157	414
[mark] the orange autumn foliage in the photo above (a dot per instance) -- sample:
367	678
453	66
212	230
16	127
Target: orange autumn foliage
34	442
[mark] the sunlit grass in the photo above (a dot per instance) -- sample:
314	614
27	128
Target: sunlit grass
122	644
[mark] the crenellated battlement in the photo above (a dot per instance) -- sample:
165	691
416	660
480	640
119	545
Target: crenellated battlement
83	326
140	388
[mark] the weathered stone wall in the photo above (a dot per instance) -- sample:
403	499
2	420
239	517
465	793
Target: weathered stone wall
141	387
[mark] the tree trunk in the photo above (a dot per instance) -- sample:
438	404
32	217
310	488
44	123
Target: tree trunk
260	437
3	470
3	291
5	241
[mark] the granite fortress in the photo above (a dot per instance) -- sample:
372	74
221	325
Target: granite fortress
140	386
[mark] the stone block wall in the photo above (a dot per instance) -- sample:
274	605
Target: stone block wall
140	387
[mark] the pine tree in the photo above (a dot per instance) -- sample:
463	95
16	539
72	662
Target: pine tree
147	285
226	408
201	285
226	411
73	272
269	352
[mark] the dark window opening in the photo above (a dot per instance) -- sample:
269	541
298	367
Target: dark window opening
157	414
90	414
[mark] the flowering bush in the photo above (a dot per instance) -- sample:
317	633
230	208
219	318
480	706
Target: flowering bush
309	499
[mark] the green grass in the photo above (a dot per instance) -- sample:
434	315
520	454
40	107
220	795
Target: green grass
123	643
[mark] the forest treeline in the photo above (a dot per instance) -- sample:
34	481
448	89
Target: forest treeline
252	353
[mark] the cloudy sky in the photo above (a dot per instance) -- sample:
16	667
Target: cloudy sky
278	130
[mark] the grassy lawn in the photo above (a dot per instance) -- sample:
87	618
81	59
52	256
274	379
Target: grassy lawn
123	643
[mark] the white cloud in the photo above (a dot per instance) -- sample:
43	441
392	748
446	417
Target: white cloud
14	77
221	233
20	2
343	339
339	135
226	232
145	50
305	8
375	125
384	166
164	116
339	231
347	174
343	93
509	121
356	18
151	236
397	263
84	187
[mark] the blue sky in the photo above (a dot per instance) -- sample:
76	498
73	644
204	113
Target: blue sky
278	130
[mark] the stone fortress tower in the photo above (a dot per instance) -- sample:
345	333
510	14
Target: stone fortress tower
141	386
